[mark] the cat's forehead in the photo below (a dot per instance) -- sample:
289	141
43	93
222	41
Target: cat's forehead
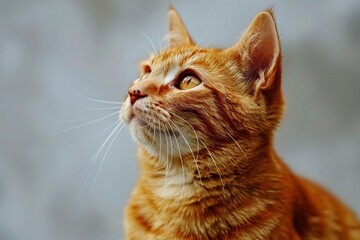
180	58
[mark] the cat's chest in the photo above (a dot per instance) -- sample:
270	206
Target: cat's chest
206	215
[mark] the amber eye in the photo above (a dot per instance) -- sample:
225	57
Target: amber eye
189	81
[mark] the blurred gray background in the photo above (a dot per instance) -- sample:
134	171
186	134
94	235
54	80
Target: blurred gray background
53	52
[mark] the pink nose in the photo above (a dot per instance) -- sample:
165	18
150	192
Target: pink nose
135	95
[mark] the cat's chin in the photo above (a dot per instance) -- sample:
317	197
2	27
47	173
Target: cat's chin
164	145
136	122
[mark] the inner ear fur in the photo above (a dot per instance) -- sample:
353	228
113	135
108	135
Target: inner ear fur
259	50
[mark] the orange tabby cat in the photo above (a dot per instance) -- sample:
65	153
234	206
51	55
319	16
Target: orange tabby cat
204	120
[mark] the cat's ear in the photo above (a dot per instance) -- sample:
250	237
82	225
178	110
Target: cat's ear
259	49
177	34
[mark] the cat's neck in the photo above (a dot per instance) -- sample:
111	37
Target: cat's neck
252	185
213	170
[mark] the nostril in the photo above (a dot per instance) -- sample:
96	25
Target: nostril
135	95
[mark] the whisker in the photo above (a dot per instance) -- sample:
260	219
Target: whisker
86	124
103	131
167	168
153	127
86	135
203	36
182	163
92	161
106	108
192	153
72	120
160	43
160	133
237	144
217	169
98	100
197	142
142	47
159	138
106	152
74	143
147	37
196	136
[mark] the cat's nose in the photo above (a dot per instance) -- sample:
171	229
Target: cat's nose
135	94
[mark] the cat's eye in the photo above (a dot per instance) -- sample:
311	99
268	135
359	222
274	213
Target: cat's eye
189	81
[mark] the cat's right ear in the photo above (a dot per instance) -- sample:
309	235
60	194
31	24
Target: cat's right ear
177	34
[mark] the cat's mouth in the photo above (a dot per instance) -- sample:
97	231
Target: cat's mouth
151	125
149	117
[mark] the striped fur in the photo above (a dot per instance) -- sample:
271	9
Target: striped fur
208	169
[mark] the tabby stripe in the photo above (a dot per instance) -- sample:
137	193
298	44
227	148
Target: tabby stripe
203	118
257	227
221	106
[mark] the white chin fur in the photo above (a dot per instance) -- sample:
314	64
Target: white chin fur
163	146
157	143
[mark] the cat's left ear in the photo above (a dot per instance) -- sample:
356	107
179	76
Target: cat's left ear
177	34
259	51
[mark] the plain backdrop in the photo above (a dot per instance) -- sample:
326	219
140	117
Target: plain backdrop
55	56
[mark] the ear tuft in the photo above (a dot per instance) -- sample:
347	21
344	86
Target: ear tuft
270	10
177	33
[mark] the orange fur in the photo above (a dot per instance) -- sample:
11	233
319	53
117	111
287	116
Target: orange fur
208	169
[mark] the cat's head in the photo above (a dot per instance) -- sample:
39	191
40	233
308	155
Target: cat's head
188	97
